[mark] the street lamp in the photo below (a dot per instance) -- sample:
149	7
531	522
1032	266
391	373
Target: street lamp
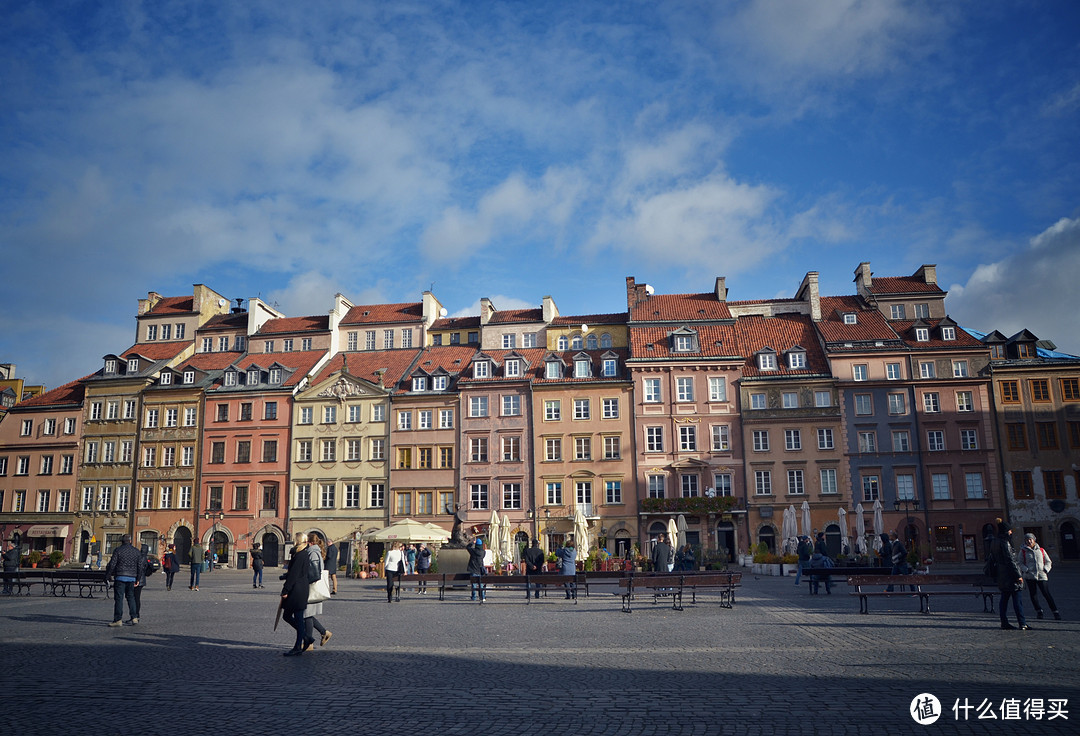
909	505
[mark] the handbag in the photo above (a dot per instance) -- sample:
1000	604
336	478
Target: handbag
319	591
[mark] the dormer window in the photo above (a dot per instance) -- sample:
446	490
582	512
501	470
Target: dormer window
110	366
230	378
767	361
189	376
922	334
796	359
1024	350
252	376
439	383
552	369
133	365
513	368
166	378
419	383
581	368
611	367
481	369
850	318
275	376
948	333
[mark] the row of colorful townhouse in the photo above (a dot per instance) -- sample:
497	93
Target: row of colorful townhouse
232	426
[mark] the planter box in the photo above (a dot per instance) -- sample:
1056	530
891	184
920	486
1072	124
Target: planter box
791	569
772	569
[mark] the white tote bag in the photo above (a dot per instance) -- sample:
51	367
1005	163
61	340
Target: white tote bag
319	591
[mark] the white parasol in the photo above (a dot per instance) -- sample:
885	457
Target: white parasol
860	529
680	529
504	540
807	530
841	516
879	524
581	533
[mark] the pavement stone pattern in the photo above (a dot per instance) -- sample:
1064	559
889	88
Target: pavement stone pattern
780	662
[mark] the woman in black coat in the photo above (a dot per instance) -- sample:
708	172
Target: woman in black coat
1009	578
294	595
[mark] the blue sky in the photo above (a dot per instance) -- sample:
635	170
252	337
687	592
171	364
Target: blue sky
517	149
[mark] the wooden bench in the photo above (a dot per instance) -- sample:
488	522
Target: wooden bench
421	581
85	581
24	580
923	587
818	574
603	578
658	585
522	582
723	582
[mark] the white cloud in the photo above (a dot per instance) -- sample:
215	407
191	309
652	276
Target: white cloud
1029	289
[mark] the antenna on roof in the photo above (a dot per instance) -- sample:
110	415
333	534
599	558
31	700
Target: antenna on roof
649	289
442	312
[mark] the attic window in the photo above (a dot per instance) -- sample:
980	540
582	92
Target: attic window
275	376
252	376
767	361
230	378
419	383
166	378
796	359
189	376
481	369
581	369
133	365
948	333
850	318
110	365
551	369
513	368
439	383
922	334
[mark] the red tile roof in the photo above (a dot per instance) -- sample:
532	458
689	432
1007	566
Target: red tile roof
618	318
963	339
456	323
156	350
210	361
300	362
537	370
69	393
374	314
317	323
451	358
532	356
679	307
902	285
510	316
174	305
393	363
653	342
781	333
235	321
870	325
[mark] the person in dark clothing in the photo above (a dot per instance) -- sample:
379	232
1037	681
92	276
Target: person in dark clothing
256	566
332	565
896	553
806	551
11	566
534	563
662	555
170	564
476	568
1009	578
141	583
423	566
294	595
126	568
196	567
567	555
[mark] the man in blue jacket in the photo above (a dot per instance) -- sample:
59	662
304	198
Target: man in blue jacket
126	568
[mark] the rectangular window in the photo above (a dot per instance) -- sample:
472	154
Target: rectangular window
352	449
478	494
959	369
326	495
1010	392
22	466
717	388
935	440
763	482
303	451
823	398
792	439
610	408
973	482
287	345
789	400
303	496
245	411
722	484
795	485
905	487
1023	488
112	410
329	414
581	408
270	410
512	368
269	451
446	418
892	371
511	496
243	451
688	439
388	339
423	499
612	448
656	486
1040	390
105	498
69	425
151	418
481	369
1017	435
478	449
684	389
1047	434
552	369
863	404
377	495
969	439
652	390
761	440
168	457
352	495
378	412
964	401
187	456
654	439
825	438
689	485
46	465
896	311
91	452
554	493
931	402
901	441
552	410
1074	436
757	401
871	488
511	405
446	457
583	448
721	438
828	480
240	498
404	457
1070	389
329	451
897	404
867	442
43	502
478	406
352	341
553	449
369	340
67	465
215	498
404	420
1054	482
859	372
511	449
613	491
939	482
926	369
509	342
378	449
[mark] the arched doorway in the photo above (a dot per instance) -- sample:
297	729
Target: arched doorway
832	540
84	546
1070	550
182	542
623	545
270	550
767	534
725	540
219	545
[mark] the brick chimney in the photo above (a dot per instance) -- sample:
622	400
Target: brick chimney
635	293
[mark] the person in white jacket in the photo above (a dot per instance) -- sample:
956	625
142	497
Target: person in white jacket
1035	564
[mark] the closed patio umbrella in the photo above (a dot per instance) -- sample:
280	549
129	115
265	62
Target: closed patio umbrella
841	516
860	529
807	529
581	533
493	531
879	524
672	532
790	530
680	530
504	539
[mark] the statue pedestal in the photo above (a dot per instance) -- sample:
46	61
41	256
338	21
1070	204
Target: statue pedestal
453	560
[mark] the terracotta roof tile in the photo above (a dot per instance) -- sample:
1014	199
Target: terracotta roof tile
963	339
618	318
451	358
532	356
902	285
156	350
210	361
680	307
511	316
235	321
715	341
375	314
69	393
174	305
456	323
781	333
567	356
301	362
870	325
393	363
317	323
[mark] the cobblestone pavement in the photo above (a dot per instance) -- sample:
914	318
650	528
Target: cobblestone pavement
780	662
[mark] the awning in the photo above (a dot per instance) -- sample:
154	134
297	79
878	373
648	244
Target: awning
47	530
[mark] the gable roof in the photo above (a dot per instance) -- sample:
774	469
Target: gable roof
456	323
781	333
231	321
870	324
714	341
963	339
897	285
69	393
392	363
156	350
680	307
300	362
281	325
374	314
510	316
617	318
172	305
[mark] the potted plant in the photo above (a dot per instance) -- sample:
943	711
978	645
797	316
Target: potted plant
56	557
34	557
790	563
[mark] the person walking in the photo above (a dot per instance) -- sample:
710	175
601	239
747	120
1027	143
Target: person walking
534	564
1009	578
196	566
410	559
256	566
294	595
476	568
423	566
805	551
11	566
126	567
141	583
1035	565
897	556
332	564
567	555
662	555
170	564
316	556
393	567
